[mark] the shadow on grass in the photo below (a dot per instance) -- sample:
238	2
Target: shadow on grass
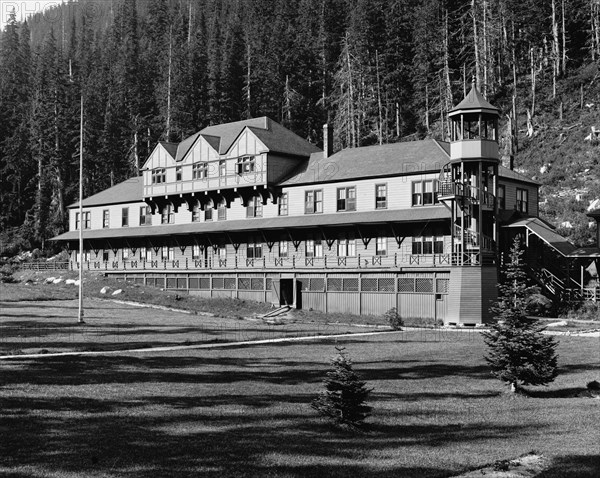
104	436
571	392
568	466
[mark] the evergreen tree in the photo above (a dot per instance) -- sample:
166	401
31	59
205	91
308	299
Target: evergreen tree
345	394
519	353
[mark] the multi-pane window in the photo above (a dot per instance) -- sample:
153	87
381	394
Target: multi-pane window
222	211
522	200
222	251
196	213
428	245
501	197
126	253
346	199
178	173
283	249
208	213
346	247
222	168
159	175
125	217
381	246
167	215
314	248
423	193
167	253
145	216
145	254
246	164
200	171
313	201
381	196
87	220
254	208
105	218
283	205
105	255
254	250
196	251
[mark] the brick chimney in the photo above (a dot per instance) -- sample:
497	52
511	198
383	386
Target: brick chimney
327	140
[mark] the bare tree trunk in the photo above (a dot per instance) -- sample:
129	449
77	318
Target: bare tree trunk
380	129
564	41
427	107
189	38
397	119
248	82
533	80
448	100
555	49
476	44
485	49
168	125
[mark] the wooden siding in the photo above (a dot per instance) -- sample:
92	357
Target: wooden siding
472	289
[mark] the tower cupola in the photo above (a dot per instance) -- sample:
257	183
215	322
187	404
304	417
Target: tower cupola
474	128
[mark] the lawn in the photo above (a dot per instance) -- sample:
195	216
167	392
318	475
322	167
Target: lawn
244	411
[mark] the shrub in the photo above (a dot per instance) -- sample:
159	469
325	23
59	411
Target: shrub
393	318
585	311
539	305
344	397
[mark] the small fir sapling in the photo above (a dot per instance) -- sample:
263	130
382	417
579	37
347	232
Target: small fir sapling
519	353
344	397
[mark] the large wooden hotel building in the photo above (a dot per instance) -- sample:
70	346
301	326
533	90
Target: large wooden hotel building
251	210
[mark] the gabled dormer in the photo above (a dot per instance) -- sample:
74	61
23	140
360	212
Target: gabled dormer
222	163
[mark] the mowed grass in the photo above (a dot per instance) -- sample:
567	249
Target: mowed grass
38	326
245	411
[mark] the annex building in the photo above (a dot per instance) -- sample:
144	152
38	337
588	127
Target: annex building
253	211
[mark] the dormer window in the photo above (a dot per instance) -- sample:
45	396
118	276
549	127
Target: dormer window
246	164
159	175
200	171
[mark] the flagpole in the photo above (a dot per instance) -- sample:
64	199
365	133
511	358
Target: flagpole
81	221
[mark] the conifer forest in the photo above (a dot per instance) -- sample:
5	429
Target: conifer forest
380	71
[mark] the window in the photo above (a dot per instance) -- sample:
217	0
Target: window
196	213
167	215
178	173
126	253
283	249
254	208
86	220
145	254
501	197
314	248
125	217
208	213
199	171
313	201
105	255
423	193
522	200
254	250
195	251
222	211
167	253
105	218
283	205
381	246
145	216
159	175
346	199
346	248
222	168
87	255
222	252
428	245
246	164
381	196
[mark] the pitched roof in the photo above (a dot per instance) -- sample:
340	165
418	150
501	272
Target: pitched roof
371	161
435	213
170	147
547	234
130	190
512	174
474	101
185	146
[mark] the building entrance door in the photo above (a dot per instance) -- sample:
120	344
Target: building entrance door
286	292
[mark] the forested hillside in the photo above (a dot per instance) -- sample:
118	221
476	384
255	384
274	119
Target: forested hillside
379	70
